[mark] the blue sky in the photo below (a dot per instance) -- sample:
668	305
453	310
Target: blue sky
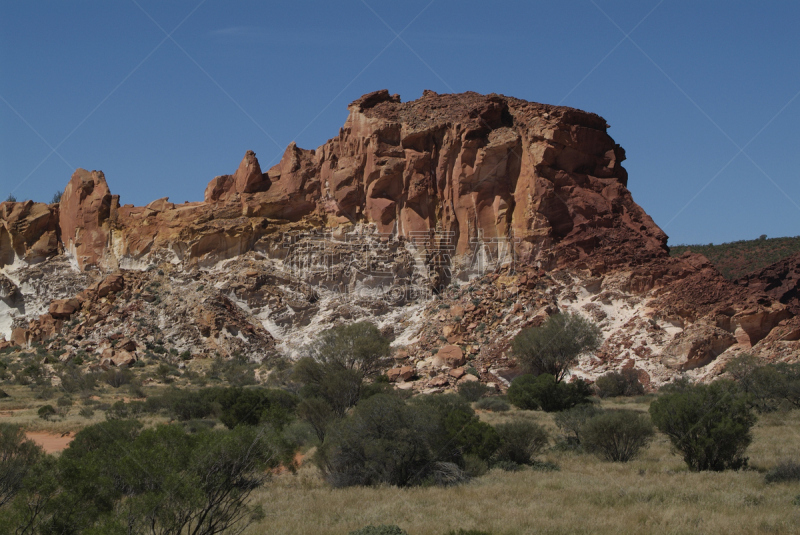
164	95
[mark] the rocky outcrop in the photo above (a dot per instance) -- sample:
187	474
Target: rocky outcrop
407	197
85	209
454	173
780	280
28	232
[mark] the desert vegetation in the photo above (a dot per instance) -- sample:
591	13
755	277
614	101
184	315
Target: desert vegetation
329	446
738	258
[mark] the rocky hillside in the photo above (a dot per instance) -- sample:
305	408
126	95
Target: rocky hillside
451	221
740	258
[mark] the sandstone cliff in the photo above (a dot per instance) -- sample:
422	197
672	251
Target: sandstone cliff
528	202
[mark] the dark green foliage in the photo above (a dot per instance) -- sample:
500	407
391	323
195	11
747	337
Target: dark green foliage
554	347
17	456
520	442
473	390
117	377
57	197
459	430
621	383
492	404
383	529
736	259
386	440
46	412
617	435
117	478
3	394
571	421
359	346
770	385
709	424
532	392
334	371
382	441
785	471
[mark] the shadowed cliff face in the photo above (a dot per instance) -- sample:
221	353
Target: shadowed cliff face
469	168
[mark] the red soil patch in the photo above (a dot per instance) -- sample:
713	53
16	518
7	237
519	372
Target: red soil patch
52	443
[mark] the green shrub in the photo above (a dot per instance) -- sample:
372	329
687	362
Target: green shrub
86	412
709	424
571	421
18	455
386	440
520	442
617	435
533	392
383	529
116	377
64	402
554	347
785	471
47	412
473	390
492	404
622	383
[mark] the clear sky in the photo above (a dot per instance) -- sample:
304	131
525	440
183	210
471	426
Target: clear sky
164	95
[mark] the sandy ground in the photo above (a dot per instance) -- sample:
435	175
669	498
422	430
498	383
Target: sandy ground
50	442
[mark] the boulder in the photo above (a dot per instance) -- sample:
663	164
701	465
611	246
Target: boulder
450	355
64	308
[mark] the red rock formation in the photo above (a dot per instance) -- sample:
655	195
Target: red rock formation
780	280
477	168
28	232
85	208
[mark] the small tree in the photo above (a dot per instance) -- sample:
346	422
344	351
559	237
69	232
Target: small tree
335	367
709	424
57	197
617	435
554	347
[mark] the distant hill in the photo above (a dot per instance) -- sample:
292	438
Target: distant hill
736	259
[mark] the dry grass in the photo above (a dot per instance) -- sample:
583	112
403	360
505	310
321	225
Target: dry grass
653	494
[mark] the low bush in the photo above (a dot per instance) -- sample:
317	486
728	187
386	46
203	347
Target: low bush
519	442
533	392
571	421
709	424
784	471
116	377
621	383
473	390
617	435
47	412
386	440
492	404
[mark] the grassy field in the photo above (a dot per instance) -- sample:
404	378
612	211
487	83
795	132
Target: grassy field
736	259
653	494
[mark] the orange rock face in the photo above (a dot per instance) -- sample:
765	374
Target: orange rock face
473	169
28	232
85	209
